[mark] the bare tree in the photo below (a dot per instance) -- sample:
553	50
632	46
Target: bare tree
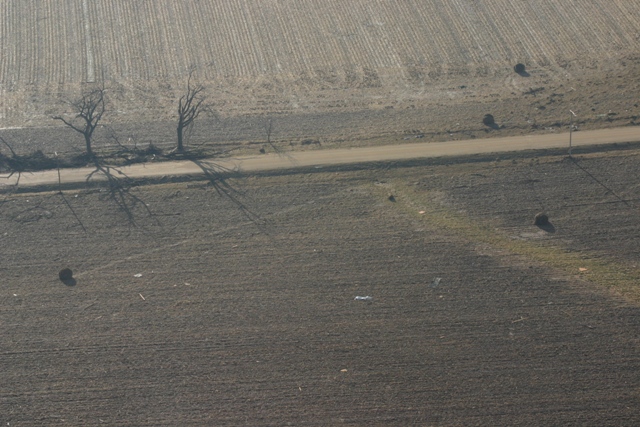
190	106
89	110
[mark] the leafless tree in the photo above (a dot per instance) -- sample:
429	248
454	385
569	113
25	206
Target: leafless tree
190	106
89	110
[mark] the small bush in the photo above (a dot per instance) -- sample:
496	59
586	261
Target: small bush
488	120
519	68
541	219
65	274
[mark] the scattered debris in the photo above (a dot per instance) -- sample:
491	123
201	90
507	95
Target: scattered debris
436	282
582	269
138	275
143	298
365	298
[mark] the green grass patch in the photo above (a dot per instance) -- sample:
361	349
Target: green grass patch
588	266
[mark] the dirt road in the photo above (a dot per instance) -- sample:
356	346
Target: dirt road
346	156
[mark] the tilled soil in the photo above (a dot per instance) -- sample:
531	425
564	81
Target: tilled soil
201	314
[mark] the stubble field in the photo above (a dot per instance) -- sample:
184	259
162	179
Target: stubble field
338	73
199	316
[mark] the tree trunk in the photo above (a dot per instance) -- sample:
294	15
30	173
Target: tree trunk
180	145
87	141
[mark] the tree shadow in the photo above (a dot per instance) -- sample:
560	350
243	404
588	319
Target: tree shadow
14	164
523	73
218	176
603	185
120	185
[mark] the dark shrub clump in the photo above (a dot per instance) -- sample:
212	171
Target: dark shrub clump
541	219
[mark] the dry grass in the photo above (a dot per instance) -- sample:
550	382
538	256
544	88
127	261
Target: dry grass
605	272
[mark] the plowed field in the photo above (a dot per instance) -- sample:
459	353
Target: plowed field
345	70
198	316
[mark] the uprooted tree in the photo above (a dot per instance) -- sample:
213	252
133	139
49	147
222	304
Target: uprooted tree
88	110
190	106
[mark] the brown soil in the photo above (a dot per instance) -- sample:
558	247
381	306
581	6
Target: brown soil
199	316
603	97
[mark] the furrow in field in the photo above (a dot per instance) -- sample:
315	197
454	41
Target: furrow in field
366	44
42	67
245	38
73	61
513	33
217	33
88	40
4	47
128	50
254	36
291	22
231	41
157	54
495	45
376	40
26	44
614	21
548	41
183	40
167	56
112	19
105	41
268	31
62	31
596	40
601	22
474	35
459	53
528	31
323	21
569	36
203	19
349	35
8	52
340	34
115	18
630	11
136	43
418	35
458	20
427	48
378	48
208	24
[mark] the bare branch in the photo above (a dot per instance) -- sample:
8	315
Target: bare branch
89	110
190	105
